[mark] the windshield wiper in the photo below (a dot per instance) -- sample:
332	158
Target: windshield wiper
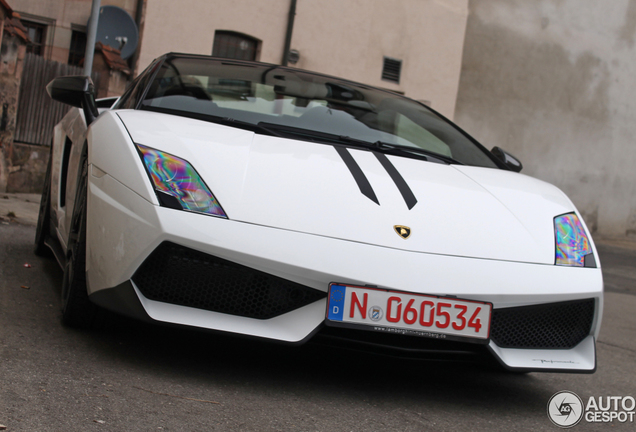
226	121
307	134
418	150
380	146
401	150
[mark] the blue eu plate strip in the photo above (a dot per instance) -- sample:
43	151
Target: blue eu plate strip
336	302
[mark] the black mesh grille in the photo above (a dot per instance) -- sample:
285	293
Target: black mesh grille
554	325
182	276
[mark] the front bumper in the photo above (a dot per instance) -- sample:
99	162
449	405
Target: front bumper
123	230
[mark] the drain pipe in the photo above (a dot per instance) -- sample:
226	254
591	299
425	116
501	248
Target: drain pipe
91	37
135	57
290	30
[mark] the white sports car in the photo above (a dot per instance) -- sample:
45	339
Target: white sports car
283	204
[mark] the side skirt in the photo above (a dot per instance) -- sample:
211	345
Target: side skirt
55	246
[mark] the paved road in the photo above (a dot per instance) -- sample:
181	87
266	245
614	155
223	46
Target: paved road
134	377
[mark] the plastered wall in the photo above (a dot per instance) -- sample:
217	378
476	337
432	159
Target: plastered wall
552	81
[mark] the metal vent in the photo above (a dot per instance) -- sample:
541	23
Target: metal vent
555	325
186	277
391	70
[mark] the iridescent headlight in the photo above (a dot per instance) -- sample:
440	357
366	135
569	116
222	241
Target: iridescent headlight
177	183
572	244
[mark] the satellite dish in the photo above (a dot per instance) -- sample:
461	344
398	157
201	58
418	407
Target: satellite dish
117	29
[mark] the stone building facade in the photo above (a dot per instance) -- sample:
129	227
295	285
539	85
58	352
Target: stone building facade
13	41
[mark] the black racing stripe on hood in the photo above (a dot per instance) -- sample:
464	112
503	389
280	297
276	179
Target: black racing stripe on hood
399	181
358	175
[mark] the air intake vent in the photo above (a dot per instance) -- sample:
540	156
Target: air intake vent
546	326
391	70
186	277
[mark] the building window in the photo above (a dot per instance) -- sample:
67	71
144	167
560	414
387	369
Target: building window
391	70
234	45
37	35
78	48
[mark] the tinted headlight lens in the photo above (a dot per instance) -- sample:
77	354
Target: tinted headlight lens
572	244
178	184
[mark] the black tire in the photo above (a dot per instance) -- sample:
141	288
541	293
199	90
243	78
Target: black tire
77	309
43	228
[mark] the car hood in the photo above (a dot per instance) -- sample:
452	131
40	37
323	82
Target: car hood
314	189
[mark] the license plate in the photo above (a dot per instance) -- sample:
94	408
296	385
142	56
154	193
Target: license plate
407	313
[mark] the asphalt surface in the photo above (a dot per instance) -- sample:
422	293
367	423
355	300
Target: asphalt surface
135	377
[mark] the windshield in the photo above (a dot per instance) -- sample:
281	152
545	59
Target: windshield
279	96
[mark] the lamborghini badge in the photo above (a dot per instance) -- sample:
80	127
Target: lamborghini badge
402	231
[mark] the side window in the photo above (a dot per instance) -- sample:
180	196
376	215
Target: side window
130	98
127	100
235	45
66	156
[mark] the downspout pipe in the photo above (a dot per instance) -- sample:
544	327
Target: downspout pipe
91	38
290	30
138	17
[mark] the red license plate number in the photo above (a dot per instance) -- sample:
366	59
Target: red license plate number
408	313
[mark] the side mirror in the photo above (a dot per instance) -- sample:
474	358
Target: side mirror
511	162
77	91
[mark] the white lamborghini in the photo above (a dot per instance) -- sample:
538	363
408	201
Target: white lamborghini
283	204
